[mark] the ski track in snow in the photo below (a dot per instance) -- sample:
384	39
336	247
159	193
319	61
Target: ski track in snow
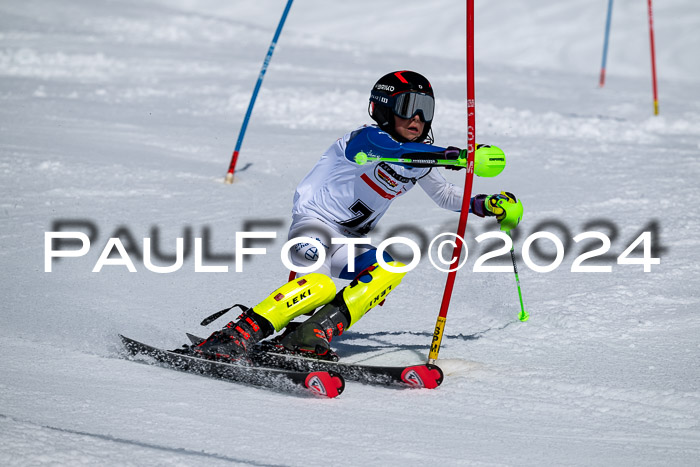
122	116
60	445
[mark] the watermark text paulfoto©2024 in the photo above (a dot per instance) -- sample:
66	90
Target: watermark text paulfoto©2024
640	251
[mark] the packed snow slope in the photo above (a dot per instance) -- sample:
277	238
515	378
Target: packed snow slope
118	118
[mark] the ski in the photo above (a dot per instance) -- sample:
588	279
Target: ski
416	376
319	382
423	375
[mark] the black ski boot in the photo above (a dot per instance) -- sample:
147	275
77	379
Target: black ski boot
233	341
313	337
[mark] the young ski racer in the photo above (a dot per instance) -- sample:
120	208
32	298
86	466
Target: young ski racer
343	199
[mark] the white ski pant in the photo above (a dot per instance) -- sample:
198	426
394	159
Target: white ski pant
336	262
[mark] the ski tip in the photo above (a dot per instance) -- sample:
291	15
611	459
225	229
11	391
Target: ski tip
125	340
129	344
194	339
325	383
426	376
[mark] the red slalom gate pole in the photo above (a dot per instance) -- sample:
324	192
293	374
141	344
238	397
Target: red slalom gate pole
469	178
653	60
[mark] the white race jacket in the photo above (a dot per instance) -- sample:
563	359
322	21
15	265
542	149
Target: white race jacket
352	197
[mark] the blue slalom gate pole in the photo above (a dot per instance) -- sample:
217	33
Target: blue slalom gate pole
266	62
605	44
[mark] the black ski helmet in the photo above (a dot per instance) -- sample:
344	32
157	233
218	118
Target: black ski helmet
384	96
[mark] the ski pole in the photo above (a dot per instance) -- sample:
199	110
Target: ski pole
489	161
244	126
362	158
523	315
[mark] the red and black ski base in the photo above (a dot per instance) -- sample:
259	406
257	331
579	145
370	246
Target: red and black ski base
320	382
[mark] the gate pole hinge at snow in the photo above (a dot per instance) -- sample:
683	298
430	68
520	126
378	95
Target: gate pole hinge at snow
437	339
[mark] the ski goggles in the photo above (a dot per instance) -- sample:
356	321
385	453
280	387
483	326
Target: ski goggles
408	104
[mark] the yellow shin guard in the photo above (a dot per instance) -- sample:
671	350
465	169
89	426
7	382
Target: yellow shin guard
362	294
296	298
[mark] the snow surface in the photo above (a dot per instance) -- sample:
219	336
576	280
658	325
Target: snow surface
123	115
